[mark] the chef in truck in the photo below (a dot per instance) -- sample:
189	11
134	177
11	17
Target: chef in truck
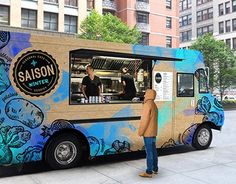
91	84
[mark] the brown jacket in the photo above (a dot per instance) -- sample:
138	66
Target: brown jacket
148	126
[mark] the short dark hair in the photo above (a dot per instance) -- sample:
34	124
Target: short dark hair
90	66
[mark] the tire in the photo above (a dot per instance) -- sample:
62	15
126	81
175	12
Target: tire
202	137
64	151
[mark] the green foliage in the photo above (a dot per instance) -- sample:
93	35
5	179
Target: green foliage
220	59
108	28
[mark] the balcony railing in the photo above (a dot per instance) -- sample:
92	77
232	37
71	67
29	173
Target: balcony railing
142	6
109	4
143	27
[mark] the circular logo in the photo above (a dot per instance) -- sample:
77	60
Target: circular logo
158	78
36	73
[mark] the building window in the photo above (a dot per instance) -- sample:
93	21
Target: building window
185	85
227	26
28	18
185	20
71	2
70	24
50	21
186	36
168	4
146	1
90	4
210	13
168	22
233	5
142	17
199	2
228	42
4	15
227	7
205	14
234	43
221	9
185	4
221	27
106	11
145	39
206	29
199	16
168	41
51	1
234	25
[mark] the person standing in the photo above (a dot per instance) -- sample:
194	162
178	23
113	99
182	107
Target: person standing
91	84
127	80
148	129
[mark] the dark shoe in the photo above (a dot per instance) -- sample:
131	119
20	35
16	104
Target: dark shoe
145	175
155	172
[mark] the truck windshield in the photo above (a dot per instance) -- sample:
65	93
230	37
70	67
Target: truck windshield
202	78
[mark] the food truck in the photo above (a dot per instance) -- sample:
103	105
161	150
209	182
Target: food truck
44	115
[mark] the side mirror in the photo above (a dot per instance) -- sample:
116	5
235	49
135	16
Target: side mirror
207	71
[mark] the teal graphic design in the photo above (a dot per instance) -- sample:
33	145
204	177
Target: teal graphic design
11	137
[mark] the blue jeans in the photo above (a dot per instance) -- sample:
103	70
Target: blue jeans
151	154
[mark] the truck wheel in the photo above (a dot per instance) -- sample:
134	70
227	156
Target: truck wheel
64	151
202	137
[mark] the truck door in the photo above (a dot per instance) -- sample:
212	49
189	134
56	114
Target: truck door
184	110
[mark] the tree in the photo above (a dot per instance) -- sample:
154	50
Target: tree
108	28
221	61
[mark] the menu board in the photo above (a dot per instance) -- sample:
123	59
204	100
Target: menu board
163	85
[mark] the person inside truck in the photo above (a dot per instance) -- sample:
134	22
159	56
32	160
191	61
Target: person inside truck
91	84
127	80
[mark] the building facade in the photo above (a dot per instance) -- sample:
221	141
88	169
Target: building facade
157	20
207	16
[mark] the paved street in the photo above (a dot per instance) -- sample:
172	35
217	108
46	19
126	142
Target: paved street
184	165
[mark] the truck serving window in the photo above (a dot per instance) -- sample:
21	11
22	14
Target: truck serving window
119	79
185	85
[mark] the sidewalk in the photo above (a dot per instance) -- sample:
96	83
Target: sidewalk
212	166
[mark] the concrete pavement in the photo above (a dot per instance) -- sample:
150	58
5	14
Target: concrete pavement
216	165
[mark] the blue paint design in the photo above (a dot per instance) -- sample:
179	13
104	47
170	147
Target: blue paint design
118	147
94	145
4	38
57	125
187	136
4	79
32	153
211	109
25	112
61	94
